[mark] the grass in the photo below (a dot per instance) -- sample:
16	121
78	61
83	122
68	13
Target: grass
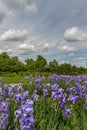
12	79
9	78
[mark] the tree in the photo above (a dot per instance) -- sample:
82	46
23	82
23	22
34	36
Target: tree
74	70
53	65
4	56
40	63
29	61
30	65
15	58
65	68
81	70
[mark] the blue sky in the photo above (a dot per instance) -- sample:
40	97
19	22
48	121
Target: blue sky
53	28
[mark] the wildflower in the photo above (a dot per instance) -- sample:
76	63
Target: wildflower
17	114
17	97
72	99
55	87
19	89
4	106
36	98
67	112
24	96
3	120
45	92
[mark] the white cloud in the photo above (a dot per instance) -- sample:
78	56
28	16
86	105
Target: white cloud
71	54
27	48
32	7
28	5
23	46
67	48
9	51
75	34
14	35
43	47
6	7
4	11
1	51
24	52
81	58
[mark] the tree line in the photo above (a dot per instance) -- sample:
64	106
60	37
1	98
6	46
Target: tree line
12	64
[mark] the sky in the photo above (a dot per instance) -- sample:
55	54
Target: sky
52	28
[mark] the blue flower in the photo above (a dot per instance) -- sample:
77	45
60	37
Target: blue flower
67	112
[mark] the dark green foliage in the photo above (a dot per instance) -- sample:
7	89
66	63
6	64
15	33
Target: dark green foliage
40	63
12	64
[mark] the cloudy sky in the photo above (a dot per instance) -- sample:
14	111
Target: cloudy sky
53	28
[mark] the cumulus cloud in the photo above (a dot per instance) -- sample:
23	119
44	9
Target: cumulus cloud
23	46
27	48
1	51
7	6
14	35
31	7
4	11
9	51
71	54
43	47
67	48
28	5
75	34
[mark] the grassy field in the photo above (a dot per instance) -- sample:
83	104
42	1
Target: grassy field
12	79
9	78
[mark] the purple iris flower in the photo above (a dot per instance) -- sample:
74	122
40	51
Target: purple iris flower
38	80
19	88
18	97
67	112
27	111
17	114
29	102
55	87
36	97
85	82
24	96
25	115
72	99
35	92
54	95
4	106
47	86
45	93
3	120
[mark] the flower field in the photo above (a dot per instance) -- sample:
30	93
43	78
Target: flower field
56	102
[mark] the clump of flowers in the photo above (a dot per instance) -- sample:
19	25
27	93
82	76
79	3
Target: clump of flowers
3	114
24	115
23	107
